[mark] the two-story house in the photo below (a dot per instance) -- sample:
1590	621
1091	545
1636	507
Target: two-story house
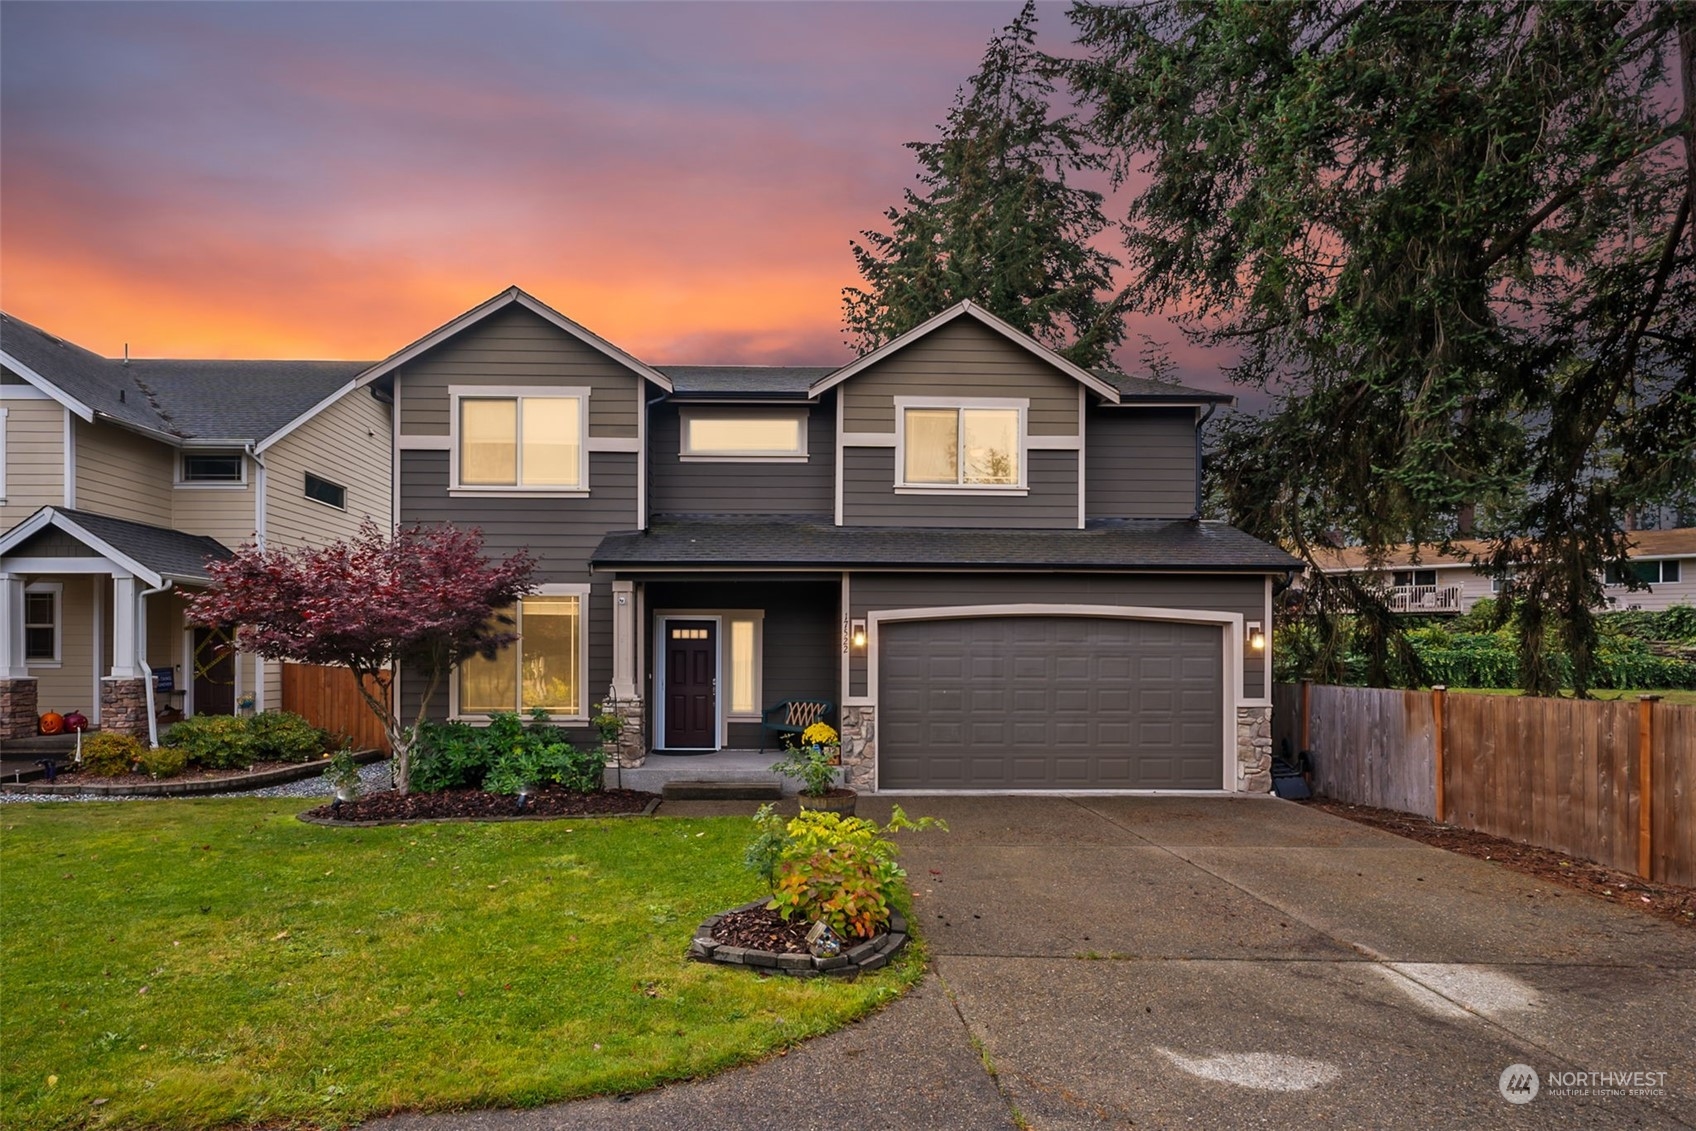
120	478
988	560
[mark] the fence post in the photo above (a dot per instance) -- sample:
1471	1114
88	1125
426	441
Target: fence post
1439	693
1645	795
1306	700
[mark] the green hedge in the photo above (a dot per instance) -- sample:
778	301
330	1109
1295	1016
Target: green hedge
227	742
502	757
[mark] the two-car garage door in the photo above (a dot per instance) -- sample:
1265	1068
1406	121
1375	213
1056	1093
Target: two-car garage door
1035	702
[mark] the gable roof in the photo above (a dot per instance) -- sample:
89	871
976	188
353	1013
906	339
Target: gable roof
512	296
788	382
175	400
1146	390
969	309
156	554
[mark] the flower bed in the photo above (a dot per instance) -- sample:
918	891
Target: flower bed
197	783
715	941
548	802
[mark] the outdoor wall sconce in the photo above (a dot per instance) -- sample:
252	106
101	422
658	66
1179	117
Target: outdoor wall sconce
857	635
1256	638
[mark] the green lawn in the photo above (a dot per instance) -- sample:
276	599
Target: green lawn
198	963
1681	697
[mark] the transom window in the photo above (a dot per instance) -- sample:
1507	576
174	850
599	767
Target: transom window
743	435
41	623
962	445
323	491
220	467
523	442
542	668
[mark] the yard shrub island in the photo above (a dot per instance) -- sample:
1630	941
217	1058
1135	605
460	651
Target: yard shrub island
504	757
208	742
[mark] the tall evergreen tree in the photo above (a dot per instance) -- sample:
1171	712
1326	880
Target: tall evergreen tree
996	219
1454	239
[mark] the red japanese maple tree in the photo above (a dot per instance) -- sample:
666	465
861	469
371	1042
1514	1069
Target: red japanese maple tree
422	599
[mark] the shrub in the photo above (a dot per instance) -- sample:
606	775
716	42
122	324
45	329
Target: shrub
109	755
503	757
449	756
164	761
282	736
217	742
824	866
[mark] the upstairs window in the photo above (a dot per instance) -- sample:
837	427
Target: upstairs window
968	445
1406	577
323	491
749	436
1650	573
209	468
522	442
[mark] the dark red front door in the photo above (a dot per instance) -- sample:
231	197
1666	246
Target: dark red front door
691	685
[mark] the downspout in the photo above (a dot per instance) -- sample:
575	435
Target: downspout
1199	426
146	668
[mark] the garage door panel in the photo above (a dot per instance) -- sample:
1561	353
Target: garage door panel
1050	703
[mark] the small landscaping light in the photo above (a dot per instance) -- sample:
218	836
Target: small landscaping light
1256	638
523	797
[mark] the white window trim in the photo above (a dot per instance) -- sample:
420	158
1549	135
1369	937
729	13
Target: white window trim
457	393
707	455
323	479
902	487
3	455
182	484
57	589
581	592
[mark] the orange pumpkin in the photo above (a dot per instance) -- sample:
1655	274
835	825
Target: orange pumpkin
52	723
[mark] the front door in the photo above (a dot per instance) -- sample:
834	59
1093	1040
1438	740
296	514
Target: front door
691	685
214	672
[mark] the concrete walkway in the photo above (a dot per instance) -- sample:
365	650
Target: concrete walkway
1201	963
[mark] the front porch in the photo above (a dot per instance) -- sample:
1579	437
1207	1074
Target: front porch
733	767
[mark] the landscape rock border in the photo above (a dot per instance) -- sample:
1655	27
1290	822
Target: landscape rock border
873	954
332	823
235	783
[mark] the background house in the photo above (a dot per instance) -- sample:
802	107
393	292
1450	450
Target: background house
118	478
1424	580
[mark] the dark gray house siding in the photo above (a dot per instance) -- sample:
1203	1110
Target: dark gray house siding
1140	462
559	533
516	347
869	592
801	650
710	487
869	497
966	359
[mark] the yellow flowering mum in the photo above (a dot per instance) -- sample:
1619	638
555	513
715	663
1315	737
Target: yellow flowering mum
821	734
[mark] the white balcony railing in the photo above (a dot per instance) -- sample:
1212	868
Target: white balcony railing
1425	599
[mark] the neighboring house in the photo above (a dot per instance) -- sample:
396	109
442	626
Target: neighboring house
1428	581
118	479
987	560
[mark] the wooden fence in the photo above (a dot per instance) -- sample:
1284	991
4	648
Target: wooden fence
1566	774
329	698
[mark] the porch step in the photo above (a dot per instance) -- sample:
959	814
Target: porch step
722	791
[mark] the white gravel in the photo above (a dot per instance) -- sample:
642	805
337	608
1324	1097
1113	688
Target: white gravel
373	777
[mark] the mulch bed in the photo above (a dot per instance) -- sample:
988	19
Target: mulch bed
550	801
763	929
67	776
1669	901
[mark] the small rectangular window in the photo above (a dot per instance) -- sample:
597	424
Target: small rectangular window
522	442
1650	573
744	666
41	625
961	447
1669	571
322	490
1405	577
223	468
747	435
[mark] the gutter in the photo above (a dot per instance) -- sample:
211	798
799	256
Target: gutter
146	668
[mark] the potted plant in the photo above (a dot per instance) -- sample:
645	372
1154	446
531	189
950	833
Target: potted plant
814	762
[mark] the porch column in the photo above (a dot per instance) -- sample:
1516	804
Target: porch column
624	697
624	640
128	627
17	689
12	619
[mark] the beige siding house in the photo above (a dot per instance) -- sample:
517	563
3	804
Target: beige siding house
121	478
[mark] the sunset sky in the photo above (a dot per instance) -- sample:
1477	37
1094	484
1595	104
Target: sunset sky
334	180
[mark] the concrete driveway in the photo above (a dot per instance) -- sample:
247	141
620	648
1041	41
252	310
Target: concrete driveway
1221	962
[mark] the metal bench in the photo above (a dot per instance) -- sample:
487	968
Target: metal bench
792	716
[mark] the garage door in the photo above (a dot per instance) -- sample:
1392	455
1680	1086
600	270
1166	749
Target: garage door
1049	703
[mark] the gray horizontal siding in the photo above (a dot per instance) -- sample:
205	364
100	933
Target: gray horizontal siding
54	543
869	498
962	359
559	533
515	347
697	487
869	592
1140	463
801	646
